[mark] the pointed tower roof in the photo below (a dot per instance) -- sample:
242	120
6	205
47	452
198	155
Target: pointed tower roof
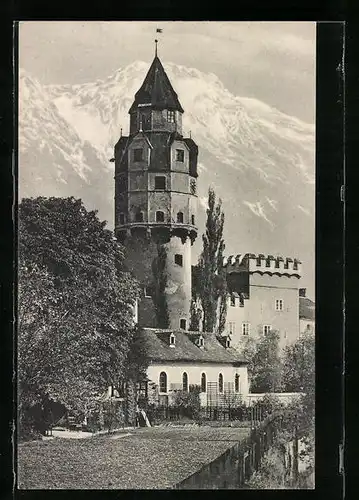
157	90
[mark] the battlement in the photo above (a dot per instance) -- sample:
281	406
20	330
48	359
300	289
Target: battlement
261	264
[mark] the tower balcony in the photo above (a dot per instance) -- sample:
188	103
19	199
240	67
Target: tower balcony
161	230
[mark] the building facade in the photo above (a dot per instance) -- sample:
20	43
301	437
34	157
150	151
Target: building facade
181	359
263	296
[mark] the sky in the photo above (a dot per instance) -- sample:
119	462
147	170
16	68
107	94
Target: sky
270	61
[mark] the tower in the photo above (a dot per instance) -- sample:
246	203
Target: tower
156	200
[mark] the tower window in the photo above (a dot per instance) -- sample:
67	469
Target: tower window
266	329
193	186
180	155
203	382
185	382
245	329
233	301
220	382
147	292
279	305
172	340
139	217
138	154
236	382
160	183
163	382
160	216
182	324
179	259
180	217
171	116
122	218
193	220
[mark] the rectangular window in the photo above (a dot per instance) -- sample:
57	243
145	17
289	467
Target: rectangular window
233	301
279	305
245	328
182	324
138	154
147	292
171	116
160	183
180	155
266	329
179	259
232	327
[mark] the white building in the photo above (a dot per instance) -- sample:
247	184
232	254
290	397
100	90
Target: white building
180	359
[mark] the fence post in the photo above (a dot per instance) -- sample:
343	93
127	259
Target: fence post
295	456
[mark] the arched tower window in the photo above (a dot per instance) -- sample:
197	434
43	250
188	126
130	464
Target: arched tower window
185	381
203	382
139	216
160	216
236	382
220	382
163	382
180	217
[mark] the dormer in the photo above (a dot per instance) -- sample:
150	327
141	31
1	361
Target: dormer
225	341
172	340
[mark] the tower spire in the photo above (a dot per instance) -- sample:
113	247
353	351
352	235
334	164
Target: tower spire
156	42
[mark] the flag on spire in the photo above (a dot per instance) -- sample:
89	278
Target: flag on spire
158	30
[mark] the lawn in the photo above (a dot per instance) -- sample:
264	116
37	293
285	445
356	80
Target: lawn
155	458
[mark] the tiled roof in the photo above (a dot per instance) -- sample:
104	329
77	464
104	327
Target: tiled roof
157	90
158	348
306	308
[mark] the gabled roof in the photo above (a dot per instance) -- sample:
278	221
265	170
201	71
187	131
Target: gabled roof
306	308
158	348
157	90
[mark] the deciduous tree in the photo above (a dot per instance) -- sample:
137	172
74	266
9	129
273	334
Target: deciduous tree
211	285
264	367
75	320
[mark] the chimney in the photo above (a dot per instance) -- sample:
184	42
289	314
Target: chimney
302	292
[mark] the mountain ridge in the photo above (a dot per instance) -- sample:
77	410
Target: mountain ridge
259	160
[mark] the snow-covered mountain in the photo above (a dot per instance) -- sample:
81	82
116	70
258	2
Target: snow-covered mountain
259	160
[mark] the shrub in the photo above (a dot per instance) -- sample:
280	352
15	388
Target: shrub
188	402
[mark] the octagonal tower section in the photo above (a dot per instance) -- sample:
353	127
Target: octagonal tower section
156	202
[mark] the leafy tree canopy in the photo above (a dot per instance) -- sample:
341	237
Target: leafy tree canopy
74	303
264	368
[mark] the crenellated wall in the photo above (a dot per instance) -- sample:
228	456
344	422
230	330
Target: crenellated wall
263	264
269	289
